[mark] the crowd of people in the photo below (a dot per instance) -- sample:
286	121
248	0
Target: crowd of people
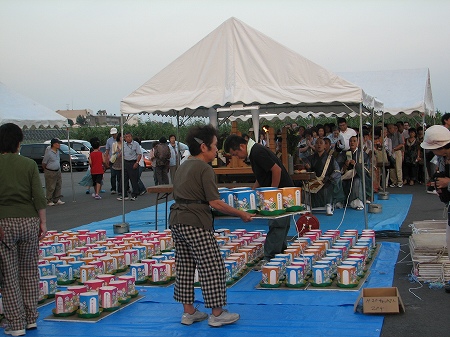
165	158
333	153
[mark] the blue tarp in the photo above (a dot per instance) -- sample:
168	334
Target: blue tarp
263	312
393	214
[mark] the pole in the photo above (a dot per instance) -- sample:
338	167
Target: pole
70	163
425	169
363	178
123	169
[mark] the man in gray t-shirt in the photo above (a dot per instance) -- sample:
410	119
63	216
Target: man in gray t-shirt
52	173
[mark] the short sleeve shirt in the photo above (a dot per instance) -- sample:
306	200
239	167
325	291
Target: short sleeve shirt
131	150
262	160
349	133
109	143
51	159
194	180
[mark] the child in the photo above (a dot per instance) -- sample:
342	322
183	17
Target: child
87	181
96	162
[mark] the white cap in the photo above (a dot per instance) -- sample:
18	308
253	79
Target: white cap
435	137
113	131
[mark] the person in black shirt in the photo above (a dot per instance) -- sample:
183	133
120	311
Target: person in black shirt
269	172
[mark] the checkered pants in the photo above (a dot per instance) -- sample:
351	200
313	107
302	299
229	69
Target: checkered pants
19	266
197	247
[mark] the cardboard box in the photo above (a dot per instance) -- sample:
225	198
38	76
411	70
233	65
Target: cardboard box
380	301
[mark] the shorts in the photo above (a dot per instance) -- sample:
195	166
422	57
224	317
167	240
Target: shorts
97	178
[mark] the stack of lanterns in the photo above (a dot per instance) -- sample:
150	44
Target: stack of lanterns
321	257
264	200
94	260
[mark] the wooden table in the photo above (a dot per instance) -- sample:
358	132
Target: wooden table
246	170
304	176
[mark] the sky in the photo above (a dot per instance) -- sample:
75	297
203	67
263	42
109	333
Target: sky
77	54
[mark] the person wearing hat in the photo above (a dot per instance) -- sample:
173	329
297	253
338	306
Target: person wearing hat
108	151
52	173
437	139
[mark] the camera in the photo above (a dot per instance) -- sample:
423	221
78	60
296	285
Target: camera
444	194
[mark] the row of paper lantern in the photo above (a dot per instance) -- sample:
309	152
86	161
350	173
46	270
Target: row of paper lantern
268	199
322	256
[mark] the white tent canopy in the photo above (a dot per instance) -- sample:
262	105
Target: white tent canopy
405	91
238	64
18	109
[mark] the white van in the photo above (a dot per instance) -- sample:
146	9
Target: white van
79	145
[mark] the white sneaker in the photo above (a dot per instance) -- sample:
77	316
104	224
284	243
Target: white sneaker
51	203
113	192
357	204
197	316
329	209
223	319
14	332
59	202
31	326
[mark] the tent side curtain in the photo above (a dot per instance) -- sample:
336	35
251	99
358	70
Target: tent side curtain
280	111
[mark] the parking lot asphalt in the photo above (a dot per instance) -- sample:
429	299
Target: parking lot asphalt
426	308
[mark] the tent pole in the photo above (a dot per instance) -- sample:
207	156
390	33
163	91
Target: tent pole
383	148
70	161
177	155
255	121
372	161
425	169
122	171
363	178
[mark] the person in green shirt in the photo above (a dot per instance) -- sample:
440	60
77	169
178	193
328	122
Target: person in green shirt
22	225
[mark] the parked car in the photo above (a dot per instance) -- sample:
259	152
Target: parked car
66	154
79	145
147	160
148	144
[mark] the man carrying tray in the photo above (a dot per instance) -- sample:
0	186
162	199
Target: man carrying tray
269	172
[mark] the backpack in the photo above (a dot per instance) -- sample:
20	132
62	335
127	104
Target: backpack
162	155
